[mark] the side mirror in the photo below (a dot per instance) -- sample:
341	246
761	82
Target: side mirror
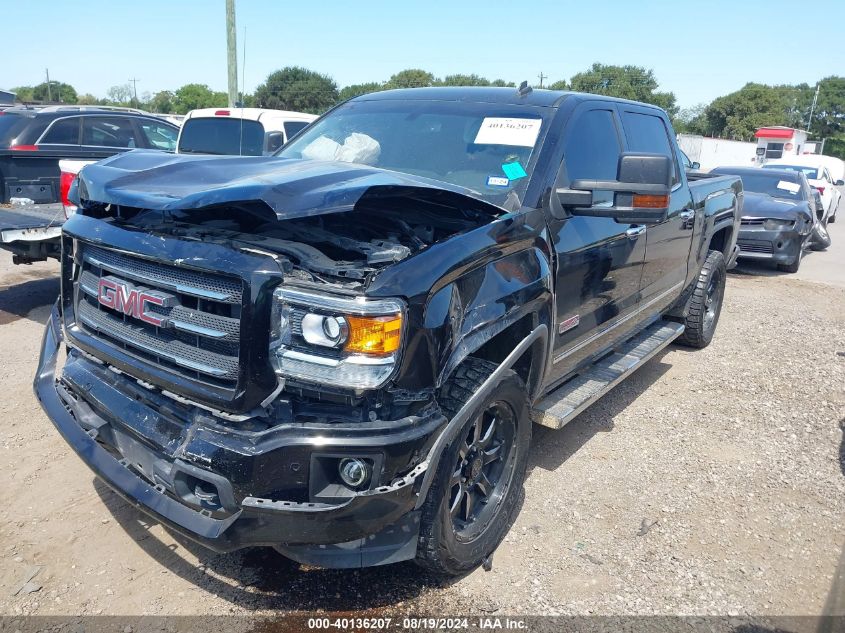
840	183
275	140
641	191
695	165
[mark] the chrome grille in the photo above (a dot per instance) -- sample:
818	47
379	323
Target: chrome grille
195	331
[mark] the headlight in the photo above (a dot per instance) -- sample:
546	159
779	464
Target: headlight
775	225
352	343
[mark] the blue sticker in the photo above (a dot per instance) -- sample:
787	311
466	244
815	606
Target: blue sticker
497	181
514	171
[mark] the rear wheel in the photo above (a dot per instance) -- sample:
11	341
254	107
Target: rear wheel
705	303
475	494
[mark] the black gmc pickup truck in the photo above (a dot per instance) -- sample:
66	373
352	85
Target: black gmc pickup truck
340	351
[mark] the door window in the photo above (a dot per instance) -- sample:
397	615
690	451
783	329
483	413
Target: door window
108	132
591	150
647	133
62	132
159	136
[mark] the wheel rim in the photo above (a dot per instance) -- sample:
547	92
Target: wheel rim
483	468
712	300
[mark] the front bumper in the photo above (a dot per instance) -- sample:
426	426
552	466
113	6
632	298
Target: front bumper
372	527
781	247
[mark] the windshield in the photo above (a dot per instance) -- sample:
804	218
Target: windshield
218	135
481	146
809	172
772	184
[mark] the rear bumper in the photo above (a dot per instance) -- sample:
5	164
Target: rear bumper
375	526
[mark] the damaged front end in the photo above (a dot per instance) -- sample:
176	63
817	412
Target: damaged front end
224	360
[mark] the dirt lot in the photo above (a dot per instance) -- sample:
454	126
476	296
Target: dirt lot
712	482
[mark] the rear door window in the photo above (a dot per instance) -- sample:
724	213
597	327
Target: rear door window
109	132
222	135
62	132
647	133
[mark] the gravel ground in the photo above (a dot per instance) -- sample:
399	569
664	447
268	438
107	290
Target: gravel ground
711	482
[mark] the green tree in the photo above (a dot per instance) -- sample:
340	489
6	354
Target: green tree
59	92
356	90
164	102
625	82
691	120
120	94
410	78
193	96
829	115
24	93
738	115
87	99
559	85
501	83
298	89
464	80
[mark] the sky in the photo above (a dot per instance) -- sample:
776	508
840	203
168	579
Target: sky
697	50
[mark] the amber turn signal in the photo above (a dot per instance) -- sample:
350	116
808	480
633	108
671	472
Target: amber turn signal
374	335
650	201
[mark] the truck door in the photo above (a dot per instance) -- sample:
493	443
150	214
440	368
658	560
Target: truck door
668	244
599	261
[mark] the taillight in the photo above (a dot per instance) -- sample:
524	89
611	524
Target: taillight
221	113
65	181
24	148
821	190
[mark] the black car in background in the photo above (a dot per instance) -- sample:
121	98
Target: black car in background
779	219
33	140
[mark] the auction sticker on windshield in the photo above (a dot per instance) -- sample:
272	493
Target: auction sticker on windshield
789	186
508	131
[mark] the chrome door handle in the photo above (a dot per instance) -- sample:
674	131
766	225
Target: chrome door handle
635	231
687	215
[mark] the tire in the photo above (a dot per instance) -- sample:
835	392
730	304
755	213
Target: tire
449	544
705	303
794	266
820	239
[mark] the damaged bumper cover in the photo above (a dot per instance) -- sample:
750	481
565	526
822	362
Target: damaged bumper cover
372	527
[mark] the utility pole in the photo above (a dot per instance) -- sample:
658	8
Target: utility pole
542	77
812	108
232	52
49	94
135	88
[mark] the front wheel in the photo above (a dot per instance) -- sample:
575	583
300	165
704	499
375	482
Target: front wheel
820	239
476	490
705	303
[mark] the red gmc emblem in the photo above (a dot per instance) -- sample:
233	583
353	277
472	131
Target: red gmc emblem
128	300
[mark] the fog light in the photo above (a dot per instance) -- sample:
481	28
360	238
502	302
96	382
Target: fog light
354	472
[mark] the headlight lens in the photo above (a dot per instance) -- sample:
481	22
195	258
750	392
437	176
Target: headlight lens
774	225
352	343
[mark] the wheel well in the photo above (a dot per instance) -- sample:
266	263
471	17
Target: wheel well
497	348
721	240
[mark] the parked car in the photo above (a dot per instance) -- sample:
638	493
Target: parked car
239	131
819	177
33	140
341	356
779	217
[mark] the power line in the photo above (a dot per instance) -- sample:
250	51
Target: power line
134	83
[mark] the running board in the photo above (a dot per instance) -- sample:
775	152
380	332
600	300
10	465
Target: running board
567	401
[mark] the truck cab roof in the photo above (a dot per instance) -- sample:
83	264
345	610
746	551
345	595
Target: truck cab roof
250	114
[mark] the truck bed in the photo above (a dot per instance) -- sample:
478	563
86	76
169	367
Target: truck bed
31	233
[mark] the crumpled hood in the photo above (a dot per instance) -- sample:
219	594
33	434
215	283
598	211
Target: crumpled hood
292	188
762	205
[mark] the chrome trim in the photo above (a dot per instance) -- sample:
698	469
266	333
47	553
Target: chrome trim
188	290
178	360
344	305
353	359
612	326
